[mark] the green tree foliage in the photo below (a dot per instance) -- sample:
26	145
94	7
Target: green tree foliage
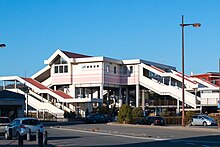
188	116
103	110
125	114
137	112
165	113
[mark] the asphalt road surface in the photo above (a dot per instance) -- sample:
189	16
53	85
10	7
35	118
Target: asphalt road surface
95	135
103	135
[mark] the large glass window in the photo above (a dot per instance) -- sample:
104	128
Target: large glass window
60	65
60	60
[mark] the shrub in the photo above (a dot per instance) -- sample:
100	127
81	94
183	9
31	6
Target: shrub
137	114
70	115
165	113
125	114
188	117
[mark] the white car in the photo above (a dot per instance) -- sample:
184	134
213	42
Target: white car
20	126
203	120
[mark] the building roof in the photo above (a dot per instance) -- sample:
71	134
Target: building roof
9	94
74	55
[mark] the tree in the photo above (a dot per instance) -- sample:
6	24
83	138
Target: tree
137	112
125	114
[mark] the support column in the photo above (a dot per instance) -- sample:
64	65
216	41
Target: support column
107	98
74	91
143	101
4	83
137	95
170	81
101	91
15	84
120	97
126	96
178	106
195	95
48	98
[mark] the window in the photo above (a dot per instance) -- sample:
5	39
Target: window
131	69
114	70
60	69
65	69
56	69
60	60
124	70
108	68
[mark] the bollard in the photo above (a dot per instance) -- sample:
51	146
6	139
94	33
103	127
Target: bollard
20	140
45	138
39	138
10	133
28	134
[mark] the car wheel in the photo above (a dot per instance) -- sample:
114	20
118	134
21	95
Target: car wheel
17	135
204	123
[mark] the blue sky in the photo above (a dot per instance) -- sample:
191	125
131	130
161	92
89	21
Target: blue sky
123	29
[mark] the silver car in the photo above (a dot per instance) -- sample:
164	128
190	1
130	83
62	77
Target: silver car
203	120
4	121
20	126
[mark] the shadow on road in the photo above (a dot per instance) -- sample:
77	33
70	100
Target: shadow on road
194	141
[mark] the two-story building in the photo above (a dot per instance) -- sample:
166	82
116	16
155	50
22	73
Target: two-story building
77	83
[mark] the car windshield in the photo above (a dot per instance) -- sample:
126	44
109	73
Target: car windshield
4	120
30	122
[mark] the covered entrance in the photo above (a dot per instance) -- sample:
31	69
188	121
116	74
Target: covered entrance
11	104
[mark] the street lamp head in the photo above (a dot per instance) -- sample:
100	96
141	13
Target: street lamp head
196	25
2	45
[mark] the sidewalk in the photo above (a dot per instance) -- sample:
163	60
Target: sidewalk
186	128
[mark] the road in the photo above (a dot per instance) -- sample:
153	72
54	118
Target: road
97	135
107	135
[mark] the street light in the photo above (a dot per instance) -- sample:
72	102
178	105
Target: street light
183	85
2	45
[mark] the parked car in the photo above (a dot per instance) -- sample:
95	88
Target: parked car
97	118
4	121
203	120
20	126
152	120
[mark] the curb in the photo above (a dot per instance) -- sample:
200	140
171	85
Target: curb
187	128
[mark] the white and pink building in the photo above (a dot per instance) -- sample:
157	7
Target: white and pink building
75	82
